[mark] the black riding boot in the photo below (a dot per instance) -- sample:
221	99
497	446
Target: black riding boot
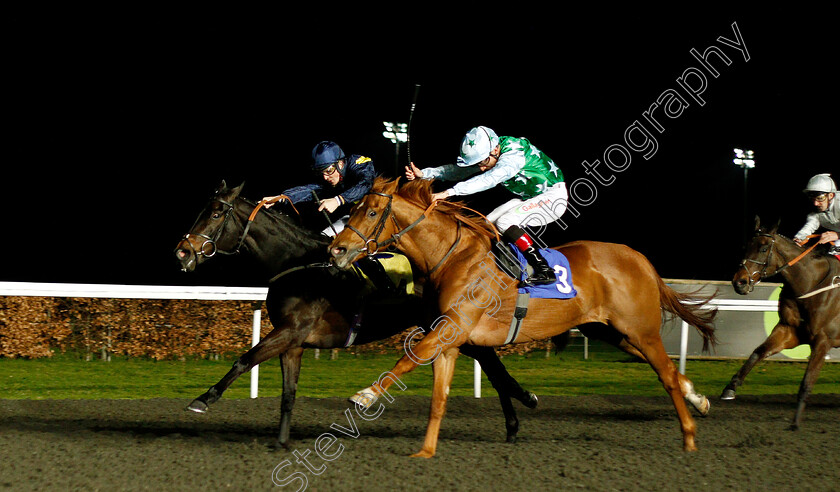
543	273
376	273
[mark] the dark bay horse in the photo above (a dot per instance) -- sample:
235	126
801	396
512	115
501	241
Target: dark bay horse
617	288
312	307
809	307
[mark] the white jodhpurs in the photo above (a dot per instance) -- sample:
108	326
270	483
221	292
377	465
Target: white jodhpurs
538	211
337	225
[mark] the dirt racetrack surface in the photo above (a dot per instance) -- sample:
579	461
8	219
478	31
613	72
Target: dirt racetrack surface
566	443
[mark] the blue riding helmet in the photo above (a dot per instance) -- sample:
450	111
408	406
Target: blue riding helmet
326	154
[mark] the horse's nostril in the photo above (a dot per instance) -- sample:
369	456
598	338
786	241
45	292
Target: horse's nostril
338	251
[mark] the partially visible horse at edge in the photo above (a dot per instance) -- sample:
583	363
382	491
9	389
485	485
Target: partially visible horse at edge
313	307
618	290
809	304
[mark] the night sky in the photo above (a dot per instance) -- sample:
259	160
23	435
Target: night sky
119	125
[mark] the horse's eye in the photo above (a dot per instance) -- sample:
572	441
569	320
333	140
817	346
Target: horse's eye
372	213
216	215
764	249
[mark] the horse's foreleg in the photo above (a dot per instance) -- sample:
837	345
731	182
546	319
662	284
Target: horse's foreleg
290	364
782	337
443	368
432	347
271	346
819	348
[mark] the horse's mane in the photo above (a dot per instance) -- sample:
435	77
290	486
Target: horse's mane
286	220
820	251
419	192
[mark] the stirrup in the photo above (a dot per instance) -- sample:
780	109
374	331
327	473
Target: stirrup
536	279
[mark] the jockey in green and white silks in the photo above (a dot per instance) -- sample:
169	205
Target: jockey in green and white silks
488	160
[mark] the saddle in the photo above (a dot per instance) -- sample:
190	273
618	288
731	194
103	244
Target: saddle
510	260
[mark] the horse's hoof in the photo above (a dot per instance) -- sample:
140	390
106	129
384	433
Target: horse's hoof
423	454
728	394
511	439
279	446
365	399
704	407
197	406
532	400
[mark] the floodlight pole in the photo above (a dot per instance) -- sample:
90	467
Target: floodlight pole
396	133
746	160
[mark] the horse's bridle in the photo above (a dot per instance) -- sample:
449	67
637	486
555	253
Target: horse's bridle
395	237
763	273
211	241
751	281
379	227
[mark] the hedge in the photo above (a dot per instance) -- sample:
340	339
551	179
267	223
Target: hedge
33	327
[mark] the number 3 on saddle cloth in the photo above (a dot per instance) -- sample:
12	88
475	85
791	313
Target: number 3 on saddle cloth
561	289
511	261
387	278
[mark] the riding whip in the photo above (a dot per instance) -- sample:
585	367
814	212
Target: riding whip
326	215
410	116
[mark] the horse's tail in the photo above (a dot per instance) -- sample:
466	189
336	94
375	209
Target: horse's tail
693	309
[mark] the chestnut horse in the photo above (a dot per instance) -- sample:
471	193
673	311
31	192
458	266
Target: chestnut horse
809	304
312	307
616	287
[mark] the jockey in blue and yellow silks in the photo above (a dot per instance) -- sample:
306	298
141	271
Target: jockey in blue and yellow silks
343	181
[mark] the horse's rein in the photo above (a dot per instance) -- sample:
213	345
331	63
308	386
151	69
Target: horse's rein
229	208
462	219
395	237
253	215
269	202
804	253
835	283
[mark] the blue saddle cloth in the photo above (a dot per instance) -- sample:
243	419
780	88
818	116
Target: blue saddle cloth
561	289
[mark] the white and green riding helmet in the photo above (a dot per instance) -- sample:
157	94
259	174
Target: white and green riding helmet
821	183
476	146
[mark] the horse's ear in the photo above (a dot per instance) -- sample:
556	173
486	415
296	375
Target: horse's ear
221	188
776	226
237	190
757	223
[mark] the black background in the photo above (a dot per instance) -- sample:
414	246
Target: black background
121	123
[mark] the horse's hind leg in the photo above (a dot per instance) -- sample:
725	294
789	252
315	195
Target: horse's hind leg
698	401
651	346
782	337
819	348
504	384
290	364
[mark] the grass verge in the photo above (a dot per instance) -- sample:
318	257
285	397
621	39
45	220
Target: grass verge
606	372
